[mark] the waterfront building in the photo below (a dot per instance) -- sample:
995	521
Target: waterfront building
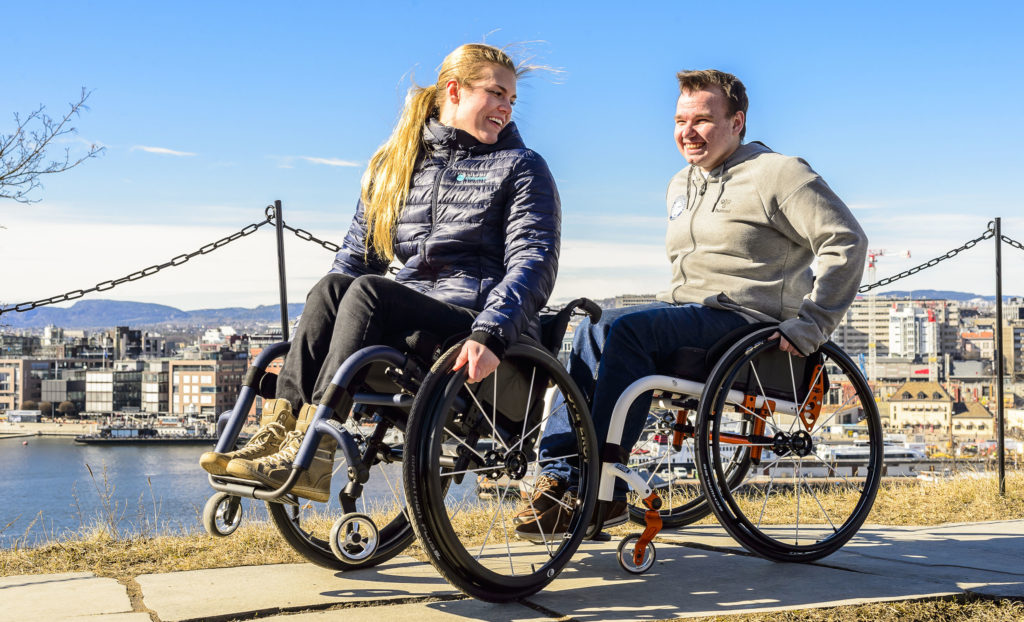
852	333
114	390
69	386
206	386
973	420
155	386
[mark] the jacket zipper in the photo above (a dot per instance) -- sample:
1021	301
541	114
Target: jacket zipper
693	212
433	202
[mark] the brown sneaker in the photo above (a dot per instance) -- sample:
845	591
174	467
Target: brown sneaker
547	490
276	421
552	523
273	470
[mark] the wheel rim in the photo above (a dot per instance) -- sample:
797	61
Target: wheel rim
475	440
812	488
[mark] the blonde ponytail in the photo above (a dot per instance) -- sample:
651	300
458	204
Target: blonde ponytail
385	184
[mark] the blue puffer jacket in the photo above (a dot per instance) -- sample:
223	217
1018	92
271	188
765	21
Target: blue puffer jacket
480	229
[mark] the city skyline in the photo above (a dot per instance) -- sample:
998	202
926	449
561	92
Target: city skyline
210	113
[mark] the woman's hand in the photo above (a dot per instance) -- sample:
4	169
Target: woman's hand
482	362
784	344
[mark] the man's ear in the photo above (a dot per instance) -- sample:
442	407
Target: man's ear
738	121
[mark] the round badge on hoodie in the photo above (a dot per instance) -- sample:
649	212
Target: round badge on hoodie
677	207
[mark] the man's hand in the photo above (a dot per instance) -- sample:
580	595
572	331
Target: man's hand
482	362
784	344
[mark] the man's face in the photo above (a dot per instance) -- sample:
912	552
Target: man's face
706	133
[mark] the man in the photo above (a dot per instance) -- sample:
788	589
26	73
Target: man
744	226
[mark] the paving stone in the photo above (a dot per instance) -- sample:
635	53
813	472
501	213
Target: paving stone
61	597
422	612
686	582
244	590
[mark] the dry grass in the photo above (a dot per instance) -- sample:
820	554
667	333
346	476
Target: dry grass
941	610
258	542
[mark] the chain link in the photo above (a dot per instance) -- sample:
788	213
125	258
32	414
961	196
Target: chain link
1012	242
928	264
103	286
302	234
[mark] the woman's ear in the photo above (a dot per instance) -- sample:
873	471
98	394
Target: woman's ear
453	91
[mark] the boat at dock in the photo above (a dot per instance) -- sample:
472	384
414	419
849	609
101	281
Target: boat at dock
163	432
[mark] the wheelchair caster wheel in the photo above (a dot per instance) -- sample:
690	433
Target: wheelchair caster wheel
354	538
222	514
626	555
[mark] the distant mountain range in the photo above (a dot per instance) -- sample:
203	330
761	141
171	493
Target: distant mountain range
110	313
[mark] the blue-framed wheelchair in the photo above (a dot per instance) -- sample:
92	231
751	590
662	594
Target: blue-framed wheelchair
742	430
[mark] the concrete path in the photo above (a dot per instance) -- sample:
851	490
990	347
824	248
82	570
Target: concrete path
700	571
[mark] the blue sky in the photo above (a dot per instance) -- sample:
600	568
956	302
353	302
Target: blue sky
210	111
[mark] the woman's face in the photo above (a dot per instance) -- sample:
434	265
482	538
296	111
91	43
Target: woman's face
484	107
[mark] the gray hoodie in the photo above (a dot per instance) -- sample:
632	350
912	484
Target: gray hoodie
744	239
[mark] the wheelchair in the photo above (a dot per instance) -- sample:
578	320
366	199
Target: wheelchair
384	383
763	430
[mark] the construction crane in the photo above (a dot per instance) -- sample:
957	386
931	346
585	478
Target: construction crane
873	255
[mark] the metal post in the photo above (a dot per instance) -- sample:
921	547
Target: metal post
279	224
1000	422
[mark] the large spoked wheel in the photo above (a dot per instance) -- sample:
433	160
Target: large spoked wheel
672	473
465	439
810	486
306	525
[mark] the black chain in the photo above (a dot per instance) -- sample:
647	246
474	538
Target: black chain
302	234
135	276
928	264
1012	242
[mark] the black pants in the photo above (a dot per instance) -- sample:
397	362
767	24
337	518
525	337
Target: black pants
343	315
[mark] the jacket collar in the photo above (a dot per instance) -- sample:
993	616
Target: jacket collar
443	138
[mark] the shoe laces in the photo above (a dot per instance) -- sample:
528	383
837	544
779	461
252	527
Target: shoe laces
289	448
267	434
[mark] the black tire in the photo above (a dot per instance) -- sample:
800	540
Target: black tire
673	474
306	525
810	490
482	556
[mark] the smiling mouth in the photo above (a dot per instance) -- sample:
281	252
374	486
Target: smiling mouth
497	121
693	146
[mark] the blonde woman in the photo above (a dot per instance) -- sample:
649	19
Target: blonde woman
473	216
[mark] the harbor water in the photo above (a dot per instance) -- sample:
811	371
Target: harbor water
48	491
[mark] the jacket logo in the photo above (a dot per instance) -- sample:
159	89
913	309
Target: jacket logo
677	207
464	177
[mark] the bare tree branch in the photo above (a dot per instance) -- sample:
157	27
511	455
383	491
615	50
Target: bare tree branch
23	157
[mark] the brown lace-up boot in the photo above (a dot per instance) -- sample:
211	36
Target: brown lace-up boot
273	470
275	422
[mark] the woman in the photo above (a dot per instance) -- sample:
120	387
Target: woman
472	214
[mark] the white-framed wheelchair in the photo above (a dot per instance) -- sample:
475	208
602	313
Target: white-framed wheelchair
769	466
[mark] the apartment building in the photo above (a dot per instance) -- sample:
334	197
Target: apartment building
206	386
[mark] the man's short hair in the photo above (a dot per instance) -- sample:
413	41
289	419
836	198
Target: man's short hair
701	79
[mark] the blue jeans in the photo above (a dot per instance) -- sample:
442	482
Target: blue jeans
626	345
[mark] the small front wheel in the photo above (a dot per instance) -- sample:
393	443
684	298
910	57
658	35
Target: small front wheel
354	538
222	514
626	560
